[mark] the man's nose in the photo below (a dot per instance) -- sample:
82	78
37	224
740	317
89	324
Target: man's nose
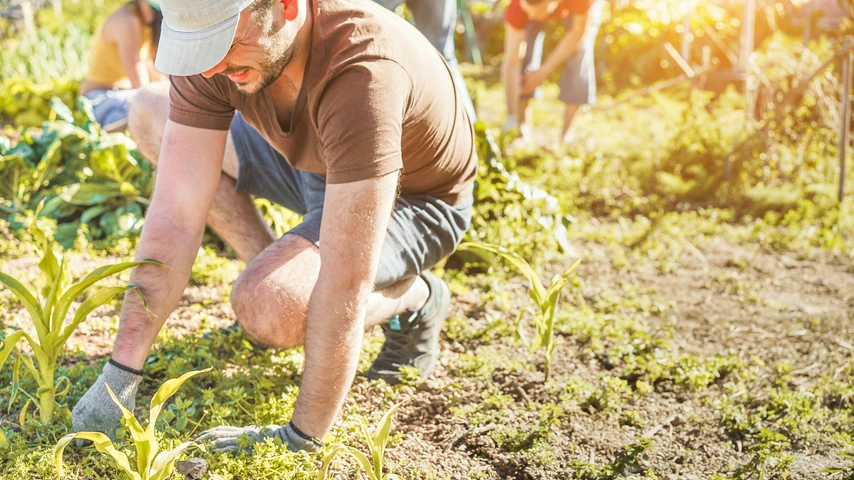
219	67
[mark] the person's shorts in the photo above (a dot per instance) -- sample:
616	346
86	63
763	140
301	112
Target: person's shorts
578	78
422	230
110	106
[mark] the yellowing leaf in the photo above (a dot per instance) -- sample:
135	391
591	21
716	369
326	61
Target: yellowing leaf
103	444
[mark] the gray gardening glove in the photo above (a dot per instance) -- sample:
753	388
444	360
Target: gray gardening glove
96	412
238	439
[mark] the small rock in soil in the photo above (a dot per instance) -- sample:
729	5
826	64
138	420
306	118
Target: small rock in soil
194	468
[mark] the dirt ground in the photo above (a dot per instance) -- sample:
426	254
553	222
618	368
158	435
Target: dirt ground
797	311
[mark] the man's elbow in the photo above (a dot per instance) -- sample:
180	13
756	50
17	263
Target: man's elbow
348	283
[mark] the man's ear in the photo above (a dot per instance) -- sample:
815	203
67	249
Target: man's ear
291	9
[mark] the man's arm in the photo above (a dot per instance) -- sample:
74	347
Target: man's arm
355	219
514	53
188	174
565	48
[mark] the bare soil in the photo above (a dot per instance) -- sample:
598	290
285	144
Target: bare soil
797	311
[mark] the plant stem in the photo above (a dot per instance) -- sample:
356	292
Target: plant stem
47	397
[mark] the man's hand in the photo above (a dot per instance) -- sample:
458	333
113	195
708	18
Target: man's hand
237	439
96	412
533	79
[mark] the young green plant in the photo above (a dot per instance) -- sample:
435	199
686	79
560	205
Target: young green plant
373	467
545	299
48	311
151	462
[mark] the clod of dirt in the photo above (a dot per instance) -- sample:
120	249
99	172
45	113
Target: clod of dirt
194	468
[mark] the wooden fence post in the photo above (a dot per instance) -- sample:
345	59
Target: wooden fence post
845	124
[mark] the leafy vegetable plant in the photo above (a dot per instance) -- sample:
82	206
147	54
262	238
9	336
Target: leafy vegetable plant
151	462
546	299
48	310
373	467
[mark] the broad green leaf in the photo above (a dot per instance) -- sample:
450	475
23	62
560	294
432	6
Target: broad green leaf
381	438
7	345
93	301
3	440
165	392
146	445
53	294
363	462
369	440
61	310
92	213
164	463
29	301
61	110
46	169
91	193
327	461
103	444
565	275
537	291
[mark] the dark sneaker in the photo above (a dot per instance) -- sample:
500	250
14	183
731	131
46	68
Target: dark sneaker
412	338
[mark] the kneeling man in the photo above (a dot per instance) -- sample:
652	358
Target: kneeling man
346	115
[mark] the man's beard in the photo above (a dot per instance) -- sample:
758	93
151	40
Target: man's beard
272	69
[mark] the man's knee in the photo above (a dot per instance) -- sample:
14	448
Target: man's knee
272	314
147	118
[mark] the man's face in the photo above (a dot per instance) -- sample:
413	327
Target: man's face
263	46
541	11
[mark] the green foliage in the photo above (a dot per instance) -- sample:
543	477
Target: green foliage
847	473
373	466
769	459
509	210
88	179
632	460
48	309
152	463
545	300
278	217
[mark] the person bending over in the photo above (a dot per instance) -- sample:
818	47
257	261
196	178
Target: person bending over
523	70
346	115
121	60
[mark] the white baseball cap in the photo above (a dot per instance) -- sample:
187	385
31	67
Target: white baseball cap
196	34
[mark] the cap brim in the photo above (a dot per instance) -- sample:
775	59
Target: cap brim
190	53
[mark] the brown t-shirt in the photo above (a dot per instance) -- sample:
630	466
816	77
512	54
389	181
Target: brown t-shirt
376	98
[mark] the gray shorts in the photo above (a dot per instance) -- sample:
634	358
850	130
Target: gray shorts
110	106
422	229
578	78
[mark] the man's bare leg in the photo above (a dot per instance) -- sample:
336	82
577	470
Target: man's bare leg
271	296
233	215
568	116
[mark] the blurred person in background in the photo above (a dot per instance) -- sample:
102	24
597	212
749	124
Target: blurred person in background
436	19
524	71
121	60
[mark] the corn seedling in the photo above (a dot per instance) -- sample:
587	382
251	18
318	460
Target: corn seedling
373	467
151	462
48	310
545	299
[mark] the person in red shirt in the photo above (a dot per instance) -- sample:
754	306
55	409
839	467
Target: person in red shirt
523	69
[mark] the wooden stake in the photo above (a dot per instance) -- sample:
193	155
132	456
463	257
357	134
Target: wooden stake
845	126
